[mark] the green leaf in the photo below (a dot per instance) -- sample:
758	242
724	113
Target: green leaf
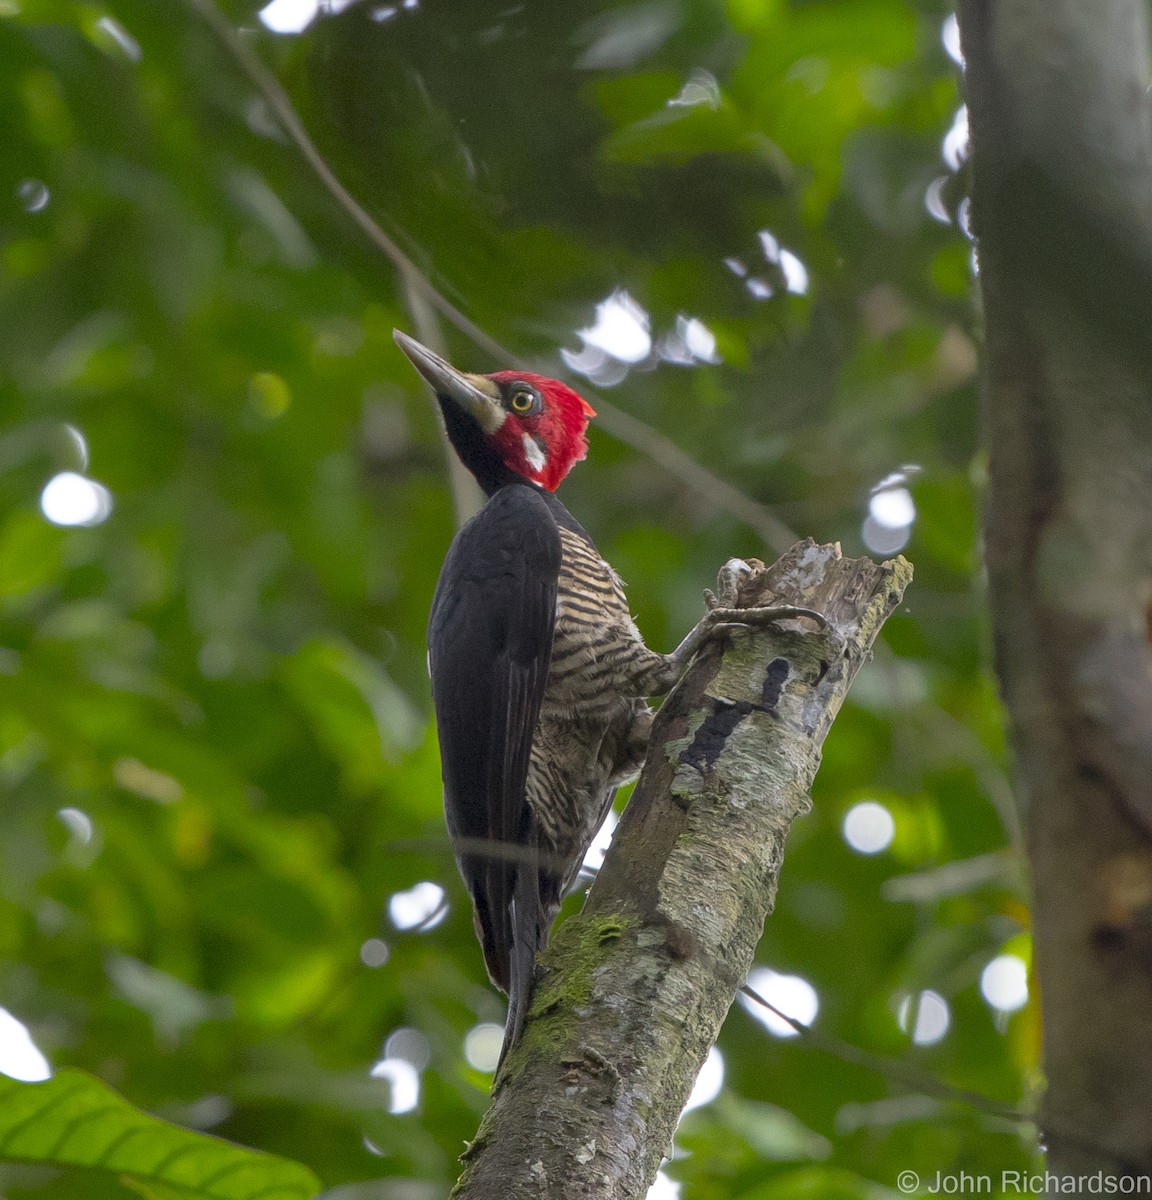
76	1120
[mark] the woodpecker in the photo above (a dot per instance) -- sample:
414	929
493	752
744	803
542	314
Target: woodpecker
540	678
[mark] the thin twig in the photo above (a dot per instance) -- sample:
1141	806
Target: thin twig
485	848
928	1085
892	1068
615	421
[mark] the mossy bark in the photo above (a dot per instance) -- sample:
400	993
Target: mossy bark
632	992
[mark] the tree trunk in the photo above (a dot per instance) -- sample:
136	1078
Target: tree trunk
1062	209
631	993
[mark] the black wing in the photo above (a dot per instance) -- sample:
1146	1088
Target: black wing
489	650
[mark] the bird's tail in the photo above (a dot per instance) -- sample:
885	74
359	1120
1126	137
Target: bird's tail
530	922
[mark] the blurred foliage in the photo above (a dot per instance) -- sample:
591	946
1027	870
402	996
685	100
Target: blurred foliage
216	763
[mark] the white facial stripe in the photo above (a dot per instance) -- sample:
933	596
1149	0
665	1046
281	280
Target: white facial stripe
535	455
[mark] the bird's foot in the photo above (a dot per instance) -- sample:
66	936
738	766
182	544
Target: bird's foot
754	618
723	615
722	619
727	620
731	575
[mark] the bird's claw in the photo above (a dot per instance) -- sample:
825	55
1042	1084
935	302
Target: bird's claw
751	617
723	618
728	581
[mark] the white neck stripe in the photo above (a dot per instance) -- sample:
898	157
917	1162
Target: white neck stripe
534	453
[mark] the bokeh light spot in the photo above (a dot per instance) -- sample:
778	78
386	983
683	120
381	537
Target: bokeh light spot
701	88
1004	983
708	1082
19	1056
793	995
954	148
482	1046
374	952
404	1081
868	827
33	195
117	37
410	1045
934	200
926	1016
795	273
663	1188
892	507
420	907
891	513
950	39
882	540
78	445
72	499
78	823
620	329
294	16
594	858
289	16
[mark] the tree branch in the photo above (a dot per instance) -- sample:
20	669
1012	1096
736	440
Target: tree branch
632	992
1062	184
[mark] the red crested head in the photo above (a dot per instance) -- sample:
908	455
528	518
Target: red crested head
534	426
542	434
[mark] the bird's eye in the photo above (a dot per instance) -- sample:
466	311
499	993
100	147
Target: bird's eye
522	401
